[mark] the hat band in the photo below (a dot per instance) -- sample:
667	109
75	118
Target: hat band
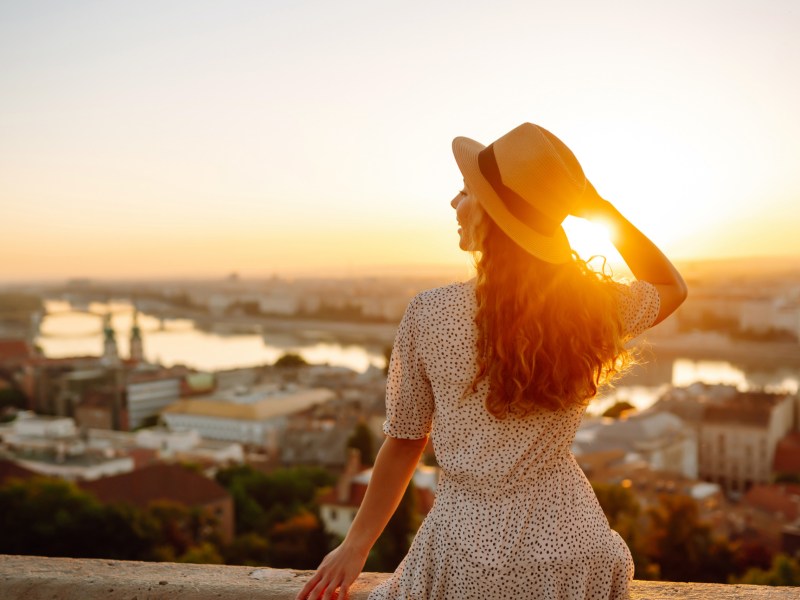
516	204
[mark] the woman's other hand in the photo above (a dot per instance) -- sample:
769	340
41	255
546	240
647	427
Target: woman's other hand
338	570
394	466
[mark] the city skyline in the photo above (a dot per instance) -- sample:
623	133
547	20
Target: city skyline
195	140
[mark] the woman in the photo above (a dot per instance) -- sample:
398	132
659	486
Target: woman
499	370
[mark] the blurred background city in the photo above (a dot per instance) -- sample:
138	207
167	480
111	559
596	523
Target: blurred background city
214	215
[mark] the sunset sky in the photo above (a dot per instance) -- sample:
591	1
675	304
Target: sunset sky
176	138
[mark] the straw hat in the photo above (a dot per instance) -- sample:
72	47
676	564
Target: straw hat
527	181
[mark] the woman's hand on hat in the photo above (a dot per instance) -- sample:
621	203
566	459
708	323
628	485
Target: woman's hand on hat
590	204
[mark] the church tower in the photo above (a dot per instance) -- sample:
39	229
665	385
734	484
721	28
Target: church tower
110	354
137	351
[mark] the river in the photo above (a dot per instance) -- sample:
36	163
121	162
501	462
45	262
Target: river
65	331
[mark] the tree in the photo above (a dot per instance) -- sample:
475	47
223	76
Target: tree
50	517
616	501
619	409
683	546
290	360
204	554
12	397
300	542
249	549
361	440
784	571
623	512
261	500
752	554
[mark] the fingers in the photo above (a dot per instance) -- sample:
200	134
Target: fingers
310	585
323	588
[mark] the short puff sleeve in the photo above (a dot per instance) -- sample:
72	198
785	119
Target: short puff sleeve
639	303
409	396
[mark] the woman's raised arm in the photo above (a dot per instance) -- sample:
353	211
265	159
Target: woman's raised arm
394	466
645	259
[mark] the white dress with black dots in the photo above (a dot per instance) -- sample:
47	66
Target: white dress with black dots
514	516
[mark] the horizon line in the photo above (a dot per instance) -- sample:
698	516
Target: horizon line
408	270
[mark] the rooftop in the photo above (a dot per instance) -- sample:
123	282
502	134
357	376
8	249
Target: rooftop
261	410
157	482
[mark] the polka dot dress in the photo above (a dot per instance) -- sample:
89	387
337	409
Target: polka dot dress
514	516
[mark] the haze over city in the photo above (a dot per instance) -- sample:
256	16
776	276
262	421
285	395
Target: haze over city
195	139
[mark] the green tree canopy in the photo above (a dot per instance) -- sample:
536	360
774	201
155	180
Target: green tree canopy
261	500
290	360
784	571
619	408
49	517
684	546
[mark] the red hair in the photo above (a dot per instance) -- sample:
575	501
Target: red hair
549	335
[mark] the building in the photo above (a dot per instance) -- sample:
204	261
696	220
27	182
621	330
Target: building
52	446
658	438
739	436
786	464
770	315
774	513
255	418
780	500
14	352
147	394
136	343
188	445
318	436
338	507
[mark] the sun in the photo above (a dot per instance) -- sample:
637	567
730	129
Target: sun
589	238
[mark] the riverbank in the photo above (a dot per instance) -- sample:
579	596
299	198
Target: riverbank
747	354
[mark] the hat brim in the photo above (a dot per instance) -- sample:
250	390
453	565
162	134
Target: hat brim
553	248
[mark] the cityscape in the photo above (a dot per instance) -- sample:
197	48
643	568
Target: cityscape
217	215
272	454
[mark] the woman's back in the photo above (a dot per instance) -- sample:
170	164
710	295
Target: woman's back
512	507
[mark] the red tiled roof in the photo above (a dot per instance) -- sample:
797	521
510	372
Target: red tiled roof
46	361
787	454
775	498
9	470
14	350
157	482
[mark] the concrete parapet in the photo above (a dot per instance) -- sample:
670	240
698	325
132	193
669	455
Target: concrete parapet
41	578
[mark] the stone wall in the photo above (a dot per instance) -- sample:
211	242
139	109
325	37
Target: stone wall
38	578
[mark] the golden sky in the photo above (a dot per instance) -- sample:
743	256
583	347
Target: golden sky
197	138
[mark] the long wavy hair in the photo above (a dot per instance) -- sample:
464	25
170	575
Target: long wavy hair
549	335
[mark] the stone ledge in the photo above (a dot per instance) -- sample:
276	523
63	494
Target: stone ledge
42	578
